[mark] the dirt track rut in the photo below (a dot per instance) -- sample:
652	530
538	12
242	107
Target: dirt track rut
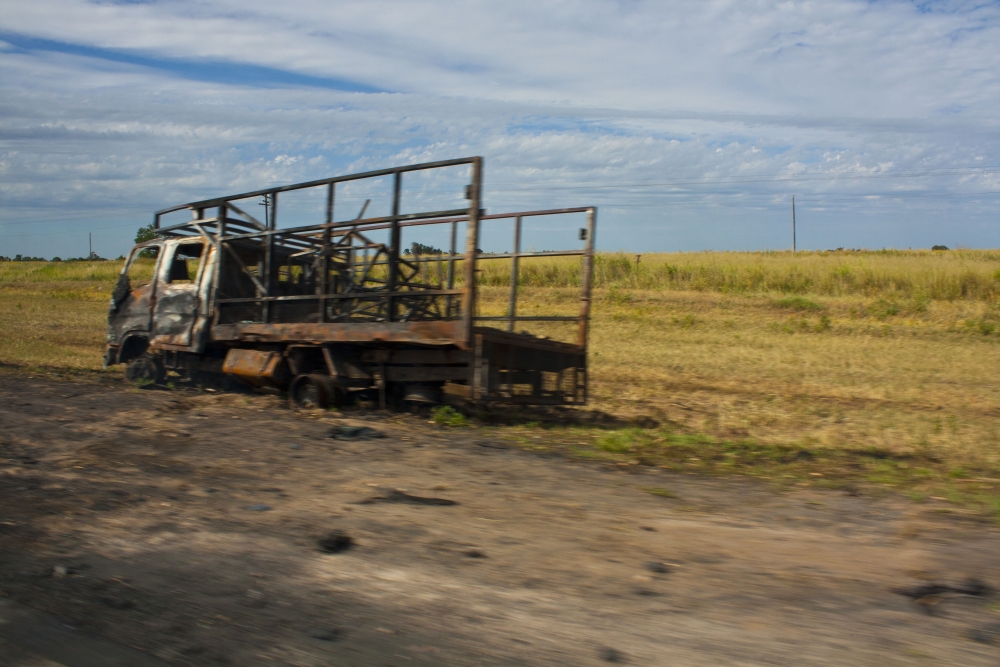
186	526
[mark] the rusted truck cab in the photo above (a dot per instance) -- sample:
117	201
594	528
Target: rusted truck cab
335	309
166	310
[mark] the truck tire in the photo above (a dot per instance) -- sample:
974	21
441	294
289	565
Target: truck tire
145	368
309	392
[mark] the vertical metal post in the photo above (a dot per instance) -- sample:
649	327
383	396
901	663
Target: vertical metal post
394	240
213	311
323	284
329	202
451	257
451	269
269	259
471	245
793	224
512	305
156	221
586	279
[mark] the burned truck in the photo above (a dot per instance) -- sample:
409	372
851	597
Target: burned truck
331	309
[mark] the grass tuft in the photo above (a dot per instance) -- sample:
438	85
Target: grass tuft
618	442
799	303
445	415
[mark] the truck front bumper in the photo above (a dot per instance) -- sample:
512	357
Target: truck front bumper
110	356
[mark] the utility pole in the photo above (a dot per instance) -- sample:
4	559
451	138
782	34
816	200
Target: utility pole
266	203
91	253
793	223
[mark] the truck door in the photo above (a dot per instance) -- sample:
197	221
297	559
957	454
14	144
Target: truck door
177	298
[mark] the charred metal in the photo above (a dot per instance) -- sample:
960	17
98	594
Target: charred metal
325	310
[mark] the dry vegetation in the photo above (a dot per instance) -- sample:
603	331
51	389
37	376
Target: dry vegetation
841	369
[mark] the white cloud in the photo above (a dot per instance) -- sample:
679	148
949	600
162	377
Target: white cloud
677	115
851	57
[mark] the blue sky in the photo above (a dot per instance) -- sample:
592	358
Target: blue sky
690	124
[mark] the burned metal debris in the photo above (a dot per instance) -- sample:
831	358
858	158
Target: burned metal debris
329	312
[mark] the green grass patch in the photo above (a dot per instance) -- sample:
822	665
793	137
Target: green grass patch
917	475
620	442
445	415
799	303
661	492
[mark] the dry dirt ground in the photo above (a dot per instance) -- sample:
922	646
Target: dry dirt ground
144	527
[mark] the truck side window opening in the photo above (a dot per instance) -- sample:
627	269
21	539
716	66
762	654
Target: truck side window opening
140	270
184	268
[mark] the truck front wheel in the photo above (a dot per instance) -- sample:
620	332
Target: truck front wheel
145	369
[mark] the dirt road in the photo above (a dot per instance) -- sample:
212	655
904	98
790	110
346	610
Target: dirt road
185	528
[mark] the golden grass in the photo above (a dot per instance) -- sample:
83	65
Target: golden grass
59	325
54	314
898	274
898	363
12	273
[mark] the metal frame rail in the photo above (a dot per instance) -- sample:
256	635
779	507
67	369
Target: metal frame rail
347	242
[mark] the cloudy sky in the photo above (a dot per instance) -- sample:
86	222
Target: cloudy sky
689	123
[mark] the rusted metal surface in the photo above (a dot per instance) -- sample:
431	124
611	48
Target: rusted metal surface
343	366
416	357
130	313
514	265
421	333
209	203
508	369
587	276
471	252
254	365
330	299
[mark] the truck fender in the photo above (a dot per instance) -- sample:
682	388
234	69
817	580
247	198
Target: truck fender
133	345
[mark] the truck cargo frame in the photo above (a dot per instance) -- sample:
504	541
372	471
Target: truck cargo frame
326	308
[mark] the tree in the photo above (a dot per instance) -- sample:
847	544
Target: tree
147	233
421	249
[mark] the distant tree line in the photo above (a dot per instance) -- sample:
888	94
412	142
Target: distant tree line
94	257
147	233
421	249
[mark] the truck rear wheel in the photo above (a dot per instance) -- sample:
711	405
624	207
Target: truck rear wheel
309	392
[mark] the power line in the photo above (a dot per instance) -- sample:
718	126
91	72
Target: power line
605	184
74	216
14	236
757	199
590	185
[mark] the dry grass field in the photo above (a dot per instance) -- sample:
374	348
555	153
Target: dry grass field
858	370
